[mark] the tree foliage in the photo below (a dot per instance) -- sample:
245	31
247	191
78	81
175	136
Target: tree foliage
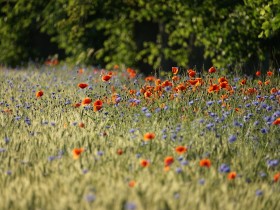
134	31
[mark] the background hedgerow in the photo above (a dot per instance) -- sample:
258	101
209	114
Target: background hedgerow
145	34
185	144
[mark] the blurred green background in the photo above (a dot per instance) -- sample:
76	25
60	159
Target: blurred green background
147	35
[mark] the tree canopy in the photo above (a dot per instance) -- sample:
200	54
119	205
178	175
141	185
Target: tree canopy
158	33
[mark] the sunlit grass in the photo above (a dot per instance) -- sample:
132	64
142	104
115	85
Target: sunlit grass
38	136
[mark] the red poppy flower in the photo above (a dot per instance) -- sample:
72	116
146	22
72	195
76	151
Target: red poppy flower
258	73
144	163
213	88
243	82
147	94
222	79
181	149
39	94
269	73
191	73
106	78
168	161
212	70
223	84
166	83
267	82
175	78
149	136
82	85
81	71
81	125
181	87
157	82
131	183
205	163
276	177
273	90
232	175
150	79
77	152
175	70
119	151
97	105
76	105
277	121
86	101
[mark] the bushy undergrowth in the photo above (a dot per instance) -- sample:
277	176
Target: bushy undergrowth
96	139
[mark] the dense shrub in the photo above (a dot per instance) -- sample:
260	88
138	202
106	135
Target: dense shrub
134	32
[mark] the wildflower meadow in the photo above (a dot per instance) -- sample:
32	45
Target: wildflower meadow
90	138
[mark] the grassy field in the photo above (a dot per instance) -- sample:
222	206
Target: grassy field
94	139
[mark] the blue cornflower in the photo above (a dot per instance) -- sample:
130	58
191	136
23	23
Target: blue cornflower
138	155
212	114
264	105
246	118
148	114
224	168
45	122
184	162
191	103
232	138
6	140
157	110
67	102
255	103
272	97
210	125
132	130
84	171
201	121
263	174
268	119
51	158
201	181
178	128
60	152
269	108
174	136
166	108
90	198
168	88
144	109
3	150
100	153
179	170
176	195
247	105
259	192
180	158
276	114
130	206
27	121
209	103
264	130
237	124
272	163
256	123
